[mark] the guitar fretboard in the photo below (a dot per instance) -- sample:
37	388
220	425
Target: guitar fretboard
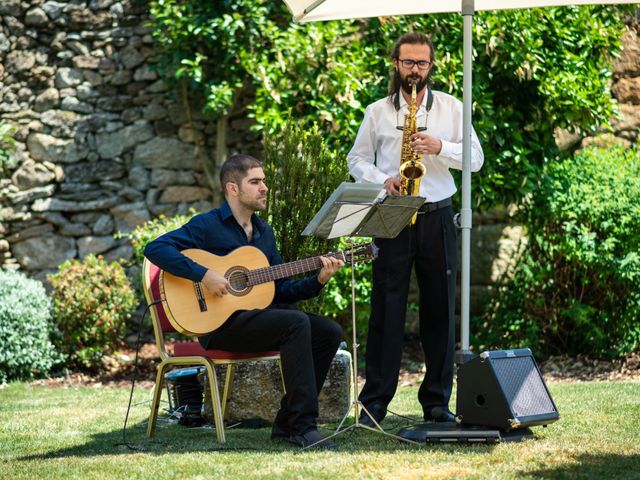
285	270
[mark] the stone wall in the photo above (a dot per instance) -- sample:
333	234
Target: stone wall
625	88
103	145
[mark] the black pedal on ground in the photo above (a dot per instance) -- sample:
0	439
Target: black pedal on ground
451	432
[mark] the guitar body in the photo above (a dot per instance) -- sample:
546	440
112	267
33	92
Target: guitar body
191	309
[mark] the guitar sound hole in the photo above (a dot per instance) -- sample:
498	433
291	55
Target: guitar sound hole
238	280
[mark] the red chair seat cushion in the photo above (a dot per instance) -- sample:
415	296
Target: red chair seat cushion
188	349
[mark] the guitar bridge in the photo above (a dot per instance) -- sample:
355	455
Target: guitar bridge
202	303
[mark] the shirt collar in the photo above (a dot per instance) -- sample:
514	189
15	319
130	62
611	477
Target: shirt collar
226	213
404	104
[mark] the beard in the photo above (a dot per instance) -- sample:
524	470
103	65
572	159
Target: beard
252	203
257	205
406	82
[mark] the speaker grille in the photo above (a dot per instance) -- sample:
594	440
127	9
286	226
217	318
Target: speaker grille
523	386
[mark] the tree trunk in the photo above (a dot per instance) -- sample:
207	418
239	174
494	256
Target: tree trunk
221	156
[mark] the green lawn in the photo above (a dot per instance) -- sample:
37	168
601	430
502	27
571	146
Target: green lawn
74	433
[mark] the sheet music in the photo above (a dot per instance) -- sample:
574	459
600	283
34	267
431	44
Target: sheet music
363	210
347	220
359	195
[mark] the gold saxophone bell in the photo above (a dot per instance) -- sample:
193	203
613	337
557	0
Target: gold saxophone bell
411	168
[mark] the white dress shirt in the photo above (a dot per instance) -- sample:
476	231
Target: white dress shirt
375	155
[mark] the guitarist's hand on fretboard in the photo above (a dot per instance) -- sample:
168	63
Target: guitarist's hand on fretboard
215	283
330	265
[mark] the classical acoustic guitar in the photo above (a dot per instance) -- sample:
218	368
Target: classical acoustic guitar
191	309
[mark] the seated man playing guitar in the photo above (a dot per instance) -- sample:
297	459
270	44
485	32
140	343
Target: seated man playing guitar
307	343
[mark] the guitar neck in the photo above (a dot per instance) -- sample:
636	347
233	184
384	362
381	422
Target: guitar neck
290	269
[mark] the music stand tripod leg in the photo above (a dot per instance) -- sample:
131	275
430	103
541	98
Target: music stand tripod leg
357	405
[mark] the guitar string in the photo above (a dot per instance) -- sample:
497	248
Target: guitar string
275	272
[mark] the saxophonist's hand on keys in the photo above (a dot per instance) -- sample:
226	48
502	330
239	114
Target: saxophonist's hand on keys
392	185
425	144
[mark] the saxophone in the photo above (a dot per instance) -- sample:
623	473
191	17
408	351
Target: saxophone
411	168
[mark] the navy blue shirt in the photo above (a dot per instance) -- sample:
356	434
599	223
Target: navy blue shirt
218	232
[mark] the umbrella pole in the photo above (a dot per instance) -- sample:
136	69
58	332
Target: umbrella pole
464	354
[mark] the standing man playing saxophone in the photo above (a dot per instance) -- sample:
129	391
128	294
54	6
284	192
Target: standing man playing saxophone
430	243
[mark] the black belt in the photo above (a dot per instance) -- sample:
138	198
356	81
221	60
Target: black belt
433	206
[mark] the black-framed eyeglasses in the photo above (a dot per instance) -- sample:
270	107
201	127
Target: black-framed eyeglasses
422	64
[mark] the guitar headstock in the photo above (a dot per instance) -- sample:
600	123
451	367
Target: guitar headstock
361	253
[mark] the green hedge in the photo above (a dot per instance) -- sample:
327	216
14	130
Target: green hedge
577	287
92	302
26	329
152	229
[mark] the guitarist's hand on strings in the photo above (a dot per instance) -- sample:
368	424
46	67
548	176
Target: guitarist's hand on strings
330	266
215	283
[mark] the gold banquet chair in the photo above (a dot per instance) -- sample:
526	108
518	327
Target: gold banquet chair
191	353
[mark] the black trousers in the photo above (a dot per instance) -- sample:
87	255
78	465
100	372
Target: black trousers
431	246
307	345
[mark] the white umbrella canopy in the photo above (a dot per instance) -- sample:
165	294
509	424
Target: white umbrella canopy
314	10
322	10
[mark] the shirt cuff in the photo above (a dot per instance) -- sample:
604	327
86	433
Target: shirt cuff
447	149
317	286
381	177
199	272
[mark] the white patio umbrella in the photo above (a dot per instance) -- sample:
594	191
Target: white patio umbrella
320	10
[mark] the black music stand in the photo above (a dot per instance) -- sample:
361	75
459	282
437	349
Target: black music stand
361	210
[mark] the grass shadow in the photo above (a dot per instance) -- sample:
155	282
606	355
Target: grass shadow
592	466
173	438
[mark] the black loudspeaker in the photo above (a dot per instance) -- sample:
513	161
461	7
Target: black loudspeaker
504	389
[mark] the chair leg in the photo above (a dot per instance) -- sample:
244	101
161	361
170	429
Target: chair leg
155	403
218	419
228	383
284	388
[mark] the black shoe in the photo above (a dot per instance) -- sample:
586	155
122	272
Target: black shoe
312	437
439	415
278	432
378	412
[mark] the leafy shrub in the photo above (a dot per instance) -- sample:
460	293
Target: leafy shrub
152	229
301	173
7	147
92	301
336	299
26	329
577	288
